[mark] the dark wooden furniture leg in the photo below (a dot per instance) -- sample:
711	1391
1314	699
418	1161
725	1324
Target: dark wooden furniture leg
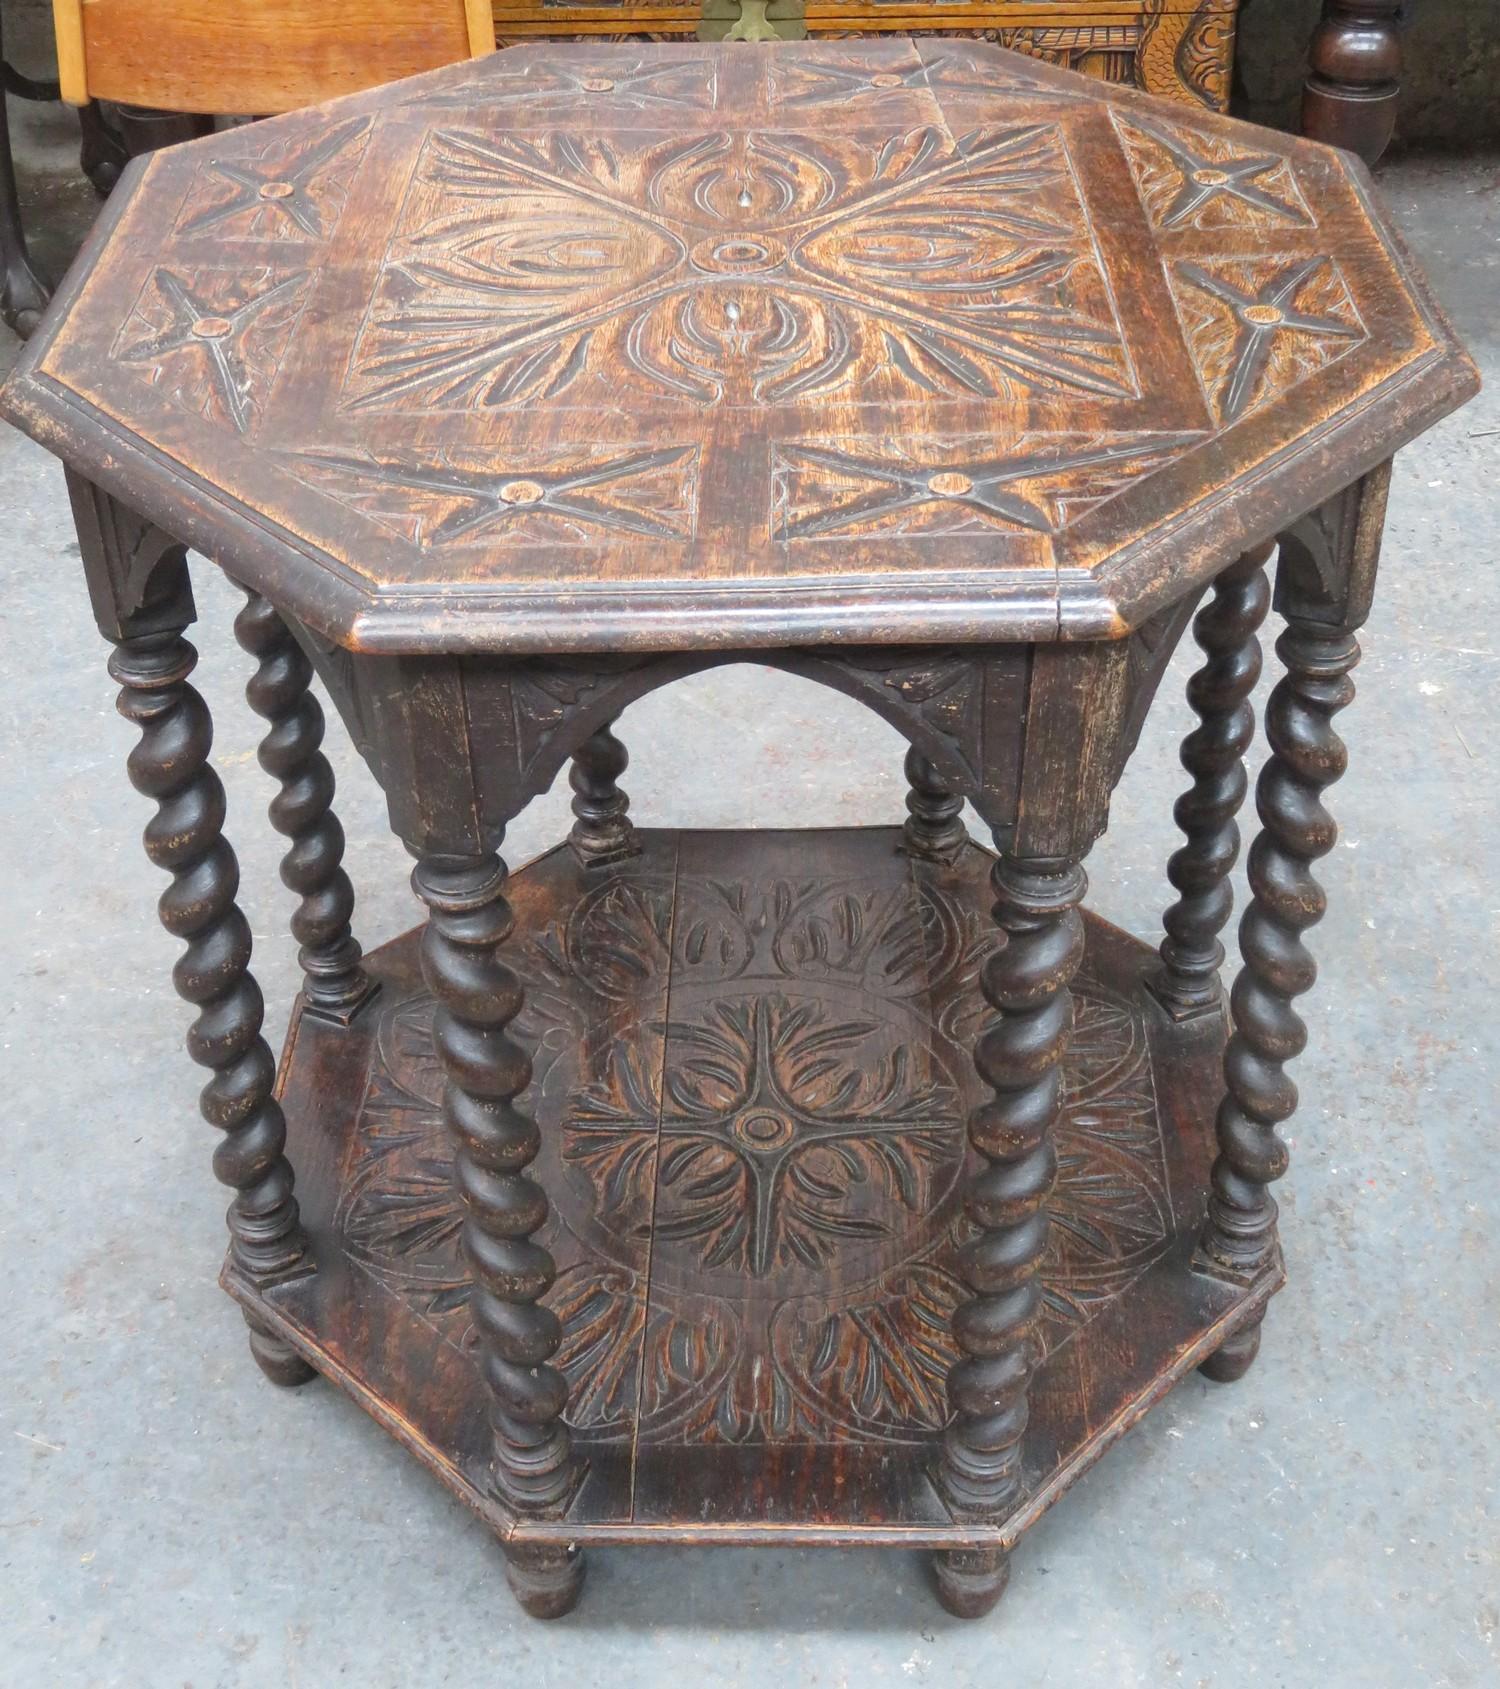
170	764
143	130
1353	83
493	1144
1306	756
601	831
143	603
1324	585
1019	1057
335	985
23	297
101	155
934	815
1214	755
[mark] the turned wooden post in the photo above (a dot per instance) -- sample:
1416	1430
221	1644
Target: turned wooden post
601	831
335	986
1019	1056
1353	83
493	1145
1214	755
23	297
1296	830
170	764
934	815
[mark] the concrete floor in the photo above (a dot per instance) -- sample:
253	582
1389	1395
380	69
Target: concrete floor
168	1518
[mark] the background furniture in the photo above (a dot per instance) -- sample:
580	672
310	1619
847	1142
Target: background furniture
168	67
188	56
1354	76
1181	49
853	1188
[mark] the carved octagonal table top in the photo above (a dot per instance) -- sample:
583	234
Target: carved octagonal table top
586	347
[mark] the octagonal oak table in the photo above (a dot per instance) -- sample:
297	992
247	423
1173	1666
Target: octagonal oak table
884	1188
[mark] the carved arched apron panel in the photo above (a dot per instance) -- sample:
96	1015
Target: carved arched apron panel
462	744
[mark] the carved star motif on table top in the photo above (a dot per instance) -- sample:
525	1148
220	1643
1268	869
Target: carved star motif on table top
1206	178
446	503
1260	317
215	333
997	490
277	187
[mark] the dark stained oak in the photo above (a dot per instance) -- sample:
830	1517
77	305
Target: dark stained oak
852	1188
185	837
601	828
767	1360
934	821
1307	755
1214	754
302	811
1353	81
493	1145
666	347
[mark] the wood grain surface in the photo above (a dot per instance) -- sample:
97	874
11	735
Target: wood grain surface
751	1070
620	347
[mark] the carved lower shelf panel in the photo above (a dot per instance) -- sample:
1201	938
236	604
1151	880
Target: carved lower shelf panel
752	1069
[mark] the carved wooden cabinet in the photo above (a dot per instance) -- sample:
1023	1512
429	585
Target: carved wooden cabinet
1179	49
853	1188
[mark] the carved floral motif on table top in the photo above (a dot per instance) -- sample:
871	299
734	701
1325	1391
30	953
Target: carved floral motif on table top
738	268
756	1185
634	313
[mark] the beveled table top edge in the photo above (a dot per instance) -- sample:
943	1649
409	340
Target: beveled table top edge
667	615
936	606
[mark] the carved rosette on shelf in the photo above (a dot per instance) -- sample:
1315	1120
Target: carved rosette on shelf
799	1148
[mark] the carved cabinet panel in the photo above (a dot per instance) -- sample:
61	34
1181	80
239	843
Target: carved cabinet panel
1180	49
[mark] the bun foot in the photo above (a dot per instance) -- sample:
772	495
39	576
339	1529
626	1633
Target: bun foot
970	1580
1233	1358
277	1358
546	1581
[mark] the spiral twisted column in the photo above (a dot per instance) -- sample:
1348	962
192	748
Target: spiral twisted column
1019	1056
601	831
185	837
934	827
1214	755
494	1143
334	983
1296	830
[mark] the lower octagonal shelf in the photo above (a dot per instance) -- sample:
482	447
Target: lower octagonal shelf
752	1067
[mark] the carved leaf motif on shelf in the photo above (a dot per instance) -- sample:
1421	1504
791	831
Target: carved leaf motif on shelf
741	268
773	1113
878	1369
292	190
939	487
759	1129
576	496
212	341
1257	329
1190	179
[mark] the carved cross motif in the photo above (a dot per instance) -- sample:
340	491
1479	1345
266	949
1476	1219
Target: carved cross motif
280	193
214	343
1198	173
1262	316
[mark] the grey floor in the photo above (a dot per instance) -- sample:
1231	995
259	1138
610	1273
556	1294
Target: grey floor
168	1518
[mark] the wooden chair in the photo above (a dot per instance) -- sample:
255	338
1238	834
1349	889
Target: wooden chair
188	56
169	67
